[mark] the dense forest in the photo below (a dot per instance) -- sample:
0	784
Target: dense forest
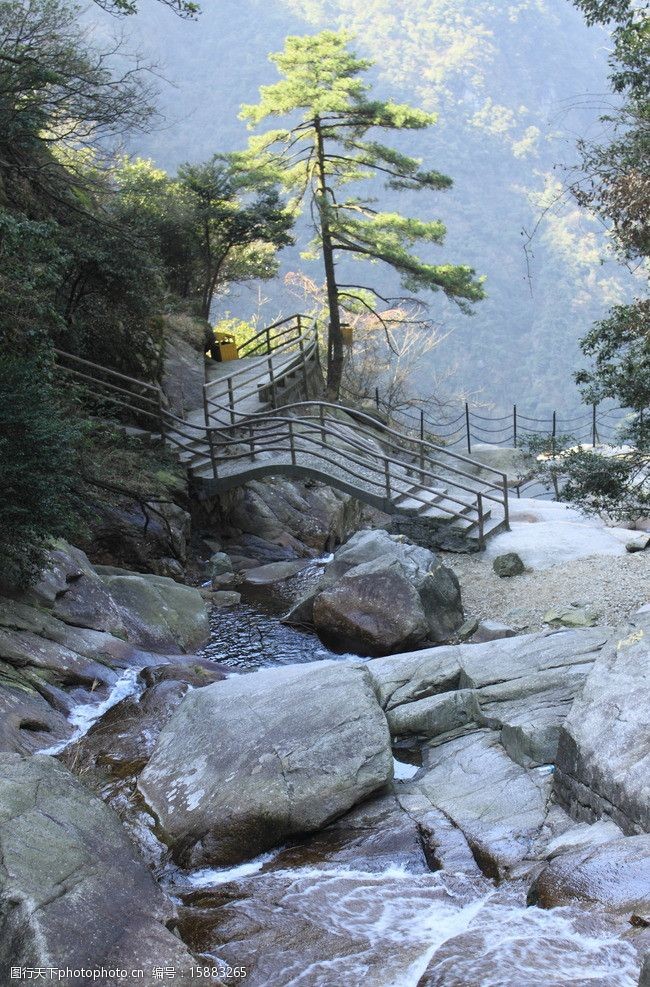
514	85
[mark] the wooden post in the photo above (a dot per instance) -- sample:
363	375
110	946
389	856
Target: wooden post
594	435
506	505
161	414
251	439
469	440
321	414
301	344
231	401
387	476
481	523
208	434
514	424
554	433
292	446
272	378
421	440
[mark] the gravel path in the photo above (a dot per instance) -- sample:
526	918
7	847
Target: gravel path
615	586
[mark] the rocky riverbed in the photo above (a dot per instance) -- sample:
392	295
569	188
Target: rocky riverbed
460	814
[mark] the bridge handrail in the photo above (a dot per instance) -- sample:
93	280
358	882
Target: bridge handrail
106	370
283	347
401	468
374	427
332	431
318	451
256	387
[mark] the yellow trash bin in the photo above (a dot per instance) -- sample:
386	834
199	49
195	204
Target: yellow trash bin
224	347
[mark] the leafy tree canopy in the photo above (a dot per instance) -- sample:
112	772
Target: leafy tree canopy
327	146
184	8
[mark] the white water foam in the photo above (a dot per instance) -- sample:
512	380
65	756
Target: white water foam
211	876
388	928
84	715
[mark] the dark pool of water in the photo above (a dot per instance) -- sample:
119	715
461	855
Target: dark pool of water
251	635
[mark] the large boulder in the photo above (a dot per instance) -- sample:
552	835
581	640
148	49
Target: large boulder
316	515
603	763
373	610
71	589
487	719
163	615
150	611
381	594
73	891
248	762
498	805
410	677
615	875
66	641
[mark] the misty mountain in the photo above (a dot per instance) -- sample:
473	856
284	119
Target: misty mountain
515	85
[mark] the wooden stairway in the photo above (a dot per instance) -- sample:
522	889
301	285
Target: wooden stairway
250	427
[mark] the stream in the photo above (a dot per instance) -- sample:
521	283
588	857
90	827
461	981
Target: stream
322	913
330	923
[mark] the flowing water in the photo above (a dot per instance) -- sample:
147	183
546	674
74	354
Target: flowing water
334	926
338	925
252	635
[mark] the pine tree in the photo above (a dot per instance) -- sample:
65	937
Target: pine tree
328	146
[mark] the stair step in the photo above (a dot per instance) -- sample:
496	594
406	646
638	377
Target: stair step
407	502
190	456
452	509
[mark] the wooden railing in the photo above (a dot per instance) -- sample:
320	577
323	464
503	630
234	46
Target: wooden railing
394	470
348	448
289	345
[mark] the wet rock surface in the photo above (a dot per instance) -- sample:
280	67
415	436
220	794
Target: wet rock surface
67	641
410	881
69	874
615	874
381	593
497	804
248	762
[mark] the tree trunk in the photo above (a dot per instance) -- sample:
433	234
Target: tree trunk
334	336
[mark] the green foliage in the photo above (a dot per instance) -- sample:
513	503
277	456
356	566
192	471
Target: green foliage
617	187
631	32
492	71
327	146
211	225
546	458
38	467
620	349
184	8
32	263
617	485
58	91
131	466
238	221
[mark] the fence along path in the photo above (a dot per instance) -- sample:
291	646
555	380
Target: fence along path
249	427
466	427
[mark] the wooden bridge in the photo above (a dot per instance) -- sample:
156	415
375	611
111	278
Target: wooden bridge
261	415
